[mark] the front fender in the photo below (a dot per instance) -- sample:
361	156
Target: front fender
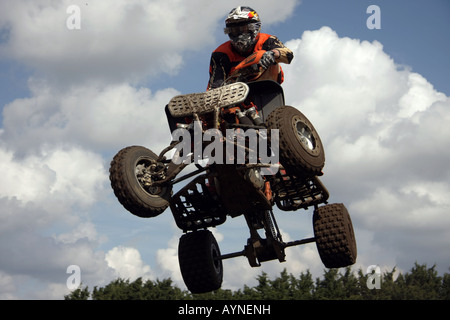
267	95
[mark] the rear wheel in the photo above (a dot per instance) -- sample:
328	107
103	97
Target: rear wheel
200	263
335	238
132	172
301	150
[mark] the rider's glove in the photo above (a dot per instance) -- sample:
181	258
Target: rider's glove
267	59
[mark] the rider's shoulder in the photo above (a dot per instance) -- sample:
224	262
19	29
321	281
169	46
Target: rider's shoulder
265	36
227	49
224	47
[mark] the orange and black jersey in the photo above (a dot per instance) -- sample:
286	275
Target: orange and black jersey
224	59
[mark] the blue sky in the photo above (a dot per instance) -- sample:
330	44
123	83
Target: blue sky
72	98
411	32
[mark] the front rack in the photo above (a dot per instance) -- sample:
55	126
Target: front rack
205	102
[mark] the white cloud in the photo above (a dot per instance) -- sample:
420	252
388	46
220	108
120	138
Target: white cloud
67	177
43	225
23	180
82	230
420	96
384	129
53	173
167	260
121	40
36	260
127	263
7	287
384	132
97	116
83	102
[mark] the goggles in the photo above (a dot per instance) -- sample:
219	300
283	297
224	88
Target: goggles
234	30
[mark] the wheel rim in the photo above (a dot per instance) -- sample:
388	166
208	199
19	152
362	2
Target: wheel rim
216	258
304	135
144	170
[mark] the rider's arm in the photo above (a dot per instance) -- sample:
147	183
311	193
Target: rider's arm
219	68
282	53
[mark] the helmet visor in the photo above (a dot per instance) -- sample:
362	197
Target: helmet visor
235	30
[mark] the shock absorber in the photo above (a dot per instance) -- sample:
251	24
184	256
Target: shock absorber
242	116
251	112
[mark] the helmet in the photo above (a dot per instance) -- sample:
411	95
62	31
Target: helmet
242	14
243	26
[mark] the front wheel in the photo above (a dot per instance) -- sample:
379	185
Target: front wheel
301	151
132	172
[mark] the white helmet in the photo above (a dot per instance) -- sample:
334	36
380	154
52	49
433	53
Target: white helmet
243	26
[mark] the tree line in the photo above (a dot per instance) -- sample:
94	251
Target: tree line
420	283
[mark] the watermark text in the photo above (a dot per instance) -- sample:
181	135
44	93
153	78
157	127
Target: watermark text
74	280
374	20
236	147
374	278
73	21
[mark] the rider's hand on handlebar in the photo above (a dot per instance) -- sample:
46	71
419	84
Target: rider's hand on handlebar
267	59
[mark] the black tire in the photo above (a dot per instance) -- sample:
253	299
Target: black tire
335	238
198	256
142	201
301	149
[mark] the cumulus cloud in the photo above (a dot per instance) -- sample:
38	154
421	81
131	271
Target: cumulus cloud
8	286
42	222
122	40
385	136
84	102
98	117
384	132
38	259
44	197
167	260
383	127
53	177
127	263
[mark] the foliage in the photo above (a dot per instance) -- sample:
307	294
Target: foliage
421	283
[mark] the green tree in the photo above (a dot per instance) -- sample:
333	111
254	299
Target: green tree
262	291
392	287
444	292
281	287
221	294
303	286
350	285
421	283
78	294
121	289
330	287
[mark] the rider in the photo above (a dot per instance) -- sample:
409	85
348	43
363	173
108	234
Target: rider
243	28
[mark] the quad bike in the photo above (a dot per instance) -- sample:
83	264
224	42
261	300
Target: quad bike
144	181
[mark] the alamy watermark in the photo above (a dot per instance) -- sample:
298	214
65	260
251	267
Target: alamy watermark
74	280
374	20
374	277
73	21
236	147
